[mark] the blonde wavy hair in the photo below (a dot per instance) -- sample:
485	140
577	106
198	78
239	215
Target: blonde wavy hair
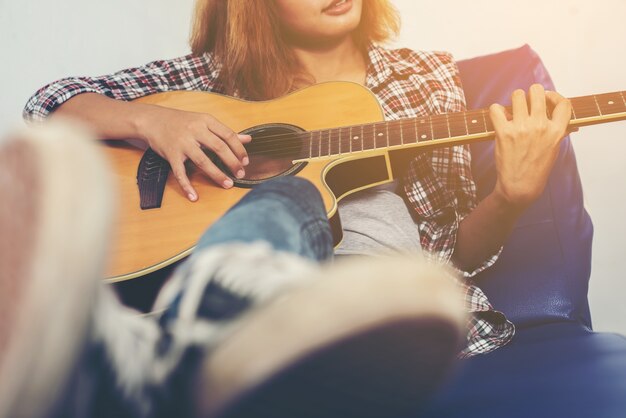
245	37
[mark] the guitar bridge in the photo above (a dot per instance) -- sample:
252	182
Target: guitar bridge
151	179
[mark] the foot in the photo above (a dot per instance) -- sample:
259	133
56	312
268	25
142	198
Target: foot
54	217
366	338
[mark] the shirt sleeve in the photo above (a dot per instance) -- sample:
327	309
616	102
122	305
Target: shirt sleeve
184	73
439	183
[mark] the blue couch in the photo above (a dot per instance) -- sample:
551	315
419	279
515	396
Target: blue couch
556	366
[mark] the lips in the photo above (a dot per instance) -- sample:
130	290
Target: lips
336	3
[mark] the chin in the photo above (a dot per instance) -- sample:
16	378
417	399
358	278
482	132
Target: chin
339	27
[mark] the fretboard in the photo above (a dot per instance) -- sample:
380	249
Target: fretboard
441	130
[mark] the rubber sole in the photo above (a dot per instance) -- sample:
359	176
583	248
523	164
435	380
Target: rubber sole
387	372
366	338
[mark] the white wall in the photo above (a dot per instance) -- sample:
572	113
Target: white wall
581	42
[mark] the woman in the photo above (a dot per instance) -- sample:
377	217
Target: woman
263	49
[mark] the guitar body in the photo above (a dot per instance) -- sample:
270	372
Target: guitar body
147	240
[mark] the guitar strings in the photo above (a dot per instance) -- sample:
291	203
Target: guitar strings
480	112
302	149
393	127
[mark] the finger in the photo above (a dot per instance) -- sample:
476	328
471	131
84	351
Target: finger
520	105
178	168
562	113
223	152
537	100
199	158
233	140
245	139
498	114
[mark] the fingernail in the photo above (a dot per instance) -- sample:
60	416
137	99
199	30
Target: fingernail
228	183
240	174
244	136
192	197
245	161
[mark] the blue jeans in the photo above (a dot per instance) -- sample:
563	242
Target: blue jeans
286	212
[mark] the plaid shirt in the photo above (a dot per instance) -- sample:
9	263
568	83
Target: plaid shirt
438	183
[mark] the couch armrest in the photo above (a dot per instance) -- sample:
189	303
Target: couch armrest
543	273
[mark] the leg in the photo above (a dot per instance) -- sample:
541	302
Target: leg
315	353
287	212
263	245
311	354
267	244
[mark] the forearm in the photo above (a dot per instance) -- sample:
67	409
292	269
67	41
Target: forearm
108	118
527	145
483	231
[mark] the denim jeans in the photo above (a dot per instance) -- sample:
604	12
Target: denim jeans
286	212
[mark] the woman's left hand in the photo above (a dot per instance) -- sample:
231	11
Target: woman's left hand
527	143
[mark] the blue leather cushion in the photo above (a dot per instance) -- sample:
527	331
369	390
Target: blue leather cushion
552	370
542	275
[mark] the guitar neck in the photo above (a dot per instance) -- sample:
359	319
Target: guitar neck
441	130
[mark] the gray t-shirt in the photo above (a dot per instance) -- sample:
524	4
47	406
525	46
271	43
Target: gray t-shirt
377	221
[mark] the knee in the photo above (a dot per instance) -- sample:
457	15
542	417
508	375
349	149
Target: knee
293	187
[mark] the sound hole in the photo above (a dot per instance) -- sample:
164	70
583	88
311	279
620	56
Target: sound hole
271	152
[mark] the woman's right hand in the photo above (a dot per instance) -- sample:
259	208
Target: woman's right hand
179	136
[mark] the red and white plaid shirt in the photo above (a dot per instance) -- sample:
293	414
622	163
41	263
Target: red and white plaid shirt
438	183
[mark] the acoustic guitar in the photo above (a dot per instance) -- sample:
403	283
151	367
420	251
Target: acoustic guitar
341	145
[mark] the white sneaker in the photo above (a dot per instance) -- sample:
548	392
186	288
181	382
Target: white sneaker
367	338
54	217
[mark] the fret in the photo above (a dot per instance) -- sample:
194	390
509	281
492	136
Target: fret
409	131
440	127
475	122
621	93
334	142
597	105
319	143
314	142
379	136
387	133
610	103
337	139
362	141
424	130
432	130
584	107
324	143
487	120
457	124
356	140
573	113
369	141
346	140
465	119
395	137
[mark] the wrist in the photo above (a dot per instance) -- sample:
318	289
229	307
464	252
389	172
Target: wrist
142	119
506	203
